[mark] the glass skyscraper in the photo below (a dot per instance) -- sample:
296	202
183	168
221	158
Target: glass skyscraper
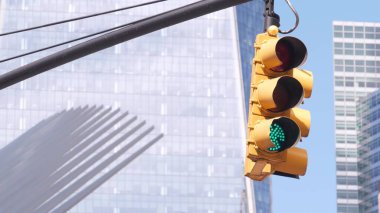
249	15
356	74
369	152
187	80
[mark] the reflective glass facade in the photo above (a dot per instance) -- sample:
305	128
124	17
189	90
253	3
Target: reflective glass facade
186	80
250	21
356	74
368	110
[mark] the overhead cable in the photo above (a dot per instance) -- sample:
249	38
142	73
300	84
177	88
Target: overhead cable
71	41
63	43
118	36
82	17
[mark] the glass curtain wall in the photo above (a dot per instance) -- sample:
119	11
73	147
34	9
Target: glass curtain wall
185	80
368	110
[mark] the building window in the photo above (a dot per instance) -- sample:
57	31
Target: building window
338	28
338	35
348	35
359	35
359	29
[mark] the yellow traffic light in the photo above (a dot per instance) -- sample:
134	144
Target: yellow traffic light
275	126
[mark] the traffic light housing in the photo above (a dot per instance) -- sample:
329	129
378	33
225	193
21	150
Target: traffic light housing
275	124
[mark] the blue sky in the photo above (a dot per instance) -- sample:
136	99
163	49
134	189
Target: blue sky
315	192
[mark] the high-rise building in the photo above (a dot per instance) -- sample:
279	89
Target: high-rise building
247	16
368	112
187	80
356	74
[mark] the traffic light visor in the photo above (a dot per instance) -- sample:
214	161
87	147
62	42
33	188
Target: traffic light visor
276	135
283	54
302	118
306	79
295	164
280	94
291	52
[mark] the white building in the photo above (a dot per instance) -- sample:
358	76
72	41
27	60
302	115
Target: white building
356	74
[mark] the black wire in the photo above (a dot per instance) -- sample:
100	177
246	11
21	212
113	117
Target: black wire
63	43
70	41
77	39
73	40
82	17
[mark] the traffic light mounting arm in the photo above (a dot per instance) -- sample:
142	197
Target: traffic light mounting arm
137	29
271	18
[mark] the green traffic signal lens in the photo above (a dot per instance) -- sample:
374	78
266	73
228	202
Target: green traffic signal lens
277	137
283	134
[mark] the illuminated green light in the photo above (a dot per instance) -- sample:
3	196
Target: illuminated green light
277	137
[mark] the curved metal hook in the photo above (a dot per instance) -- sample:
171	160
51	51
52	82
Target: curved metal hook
297	18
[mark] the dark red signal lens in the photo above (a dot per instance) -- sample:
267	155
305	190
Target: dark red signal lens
291	52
